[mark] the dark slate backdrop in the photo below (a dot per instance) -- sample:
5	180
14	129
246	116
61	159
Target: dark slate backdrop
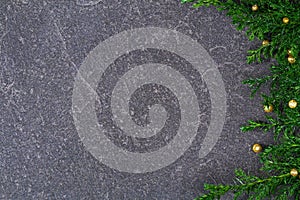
43	44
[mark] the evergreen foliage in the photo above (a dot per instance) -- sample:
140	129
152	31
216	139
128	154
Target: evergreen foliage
266	23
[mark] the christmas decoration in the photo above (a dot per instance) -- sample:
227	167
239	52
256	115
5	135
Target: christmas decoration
265	42
254	7
268	108
285	20
277	21
294	172
291	59
293	103
257	148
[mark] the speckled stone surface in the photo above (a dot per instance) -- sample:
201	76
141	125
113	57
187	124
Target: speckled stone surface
42	47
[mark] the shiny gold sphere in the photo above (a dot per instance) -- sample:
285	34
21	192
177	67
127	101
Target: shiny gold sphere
291	59
254	7
289	52
268	108
294	172
285	20
257	148
265	42
293	103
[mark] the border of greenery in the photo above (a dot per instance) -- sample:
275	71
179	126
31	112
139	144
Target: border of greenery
277	23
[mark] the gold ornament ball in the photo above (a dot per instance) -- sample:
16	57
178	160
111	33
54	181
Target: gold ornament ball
268	108
285	20
257	148
289	52
293	103
254	7
291	59
265	42
294	172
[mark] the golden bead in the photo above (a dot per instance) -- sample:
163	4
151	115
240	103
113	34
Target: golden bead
291	59
292	103
285	20
289	52
294	172
268	108
254	7
265	42
257	148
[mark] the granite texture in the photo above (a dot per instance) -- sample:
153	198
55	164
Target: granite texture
42	46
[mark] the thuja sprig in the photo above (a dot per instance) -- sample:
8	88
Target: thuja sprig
255	187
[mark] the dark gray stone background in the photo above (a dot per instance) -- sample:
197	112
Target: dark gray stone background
42	45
